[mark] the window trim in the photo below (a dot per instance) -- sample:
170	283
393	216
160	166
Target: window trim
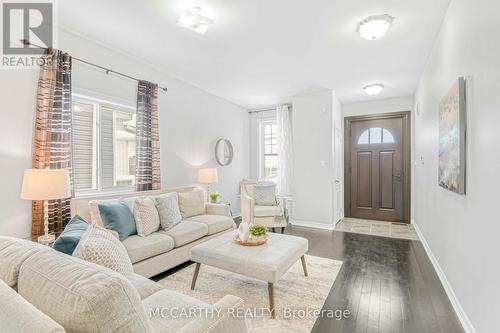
99	104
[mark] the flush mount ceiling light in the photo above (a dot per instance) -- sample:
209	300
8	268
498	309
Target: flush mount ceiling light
194	20
375	27
373	89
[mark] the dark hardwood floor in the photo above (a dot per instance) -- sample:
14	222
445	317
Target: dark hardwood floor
388	285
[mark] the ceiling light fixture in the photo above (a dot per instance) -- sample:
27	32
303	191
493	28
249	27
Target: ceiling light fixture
375	27
373	89
194	20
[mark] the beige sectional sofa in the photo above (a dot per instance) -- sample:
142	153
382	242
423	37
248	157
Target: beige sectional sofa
163	250
60	293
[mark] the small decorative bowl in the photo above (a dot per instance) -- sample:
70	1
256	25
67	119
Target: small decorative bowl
251	241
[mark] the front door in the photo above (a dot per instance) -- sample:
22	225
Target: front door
376	169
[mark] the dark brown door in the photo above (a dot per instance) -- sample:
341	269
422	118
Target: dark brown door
376	169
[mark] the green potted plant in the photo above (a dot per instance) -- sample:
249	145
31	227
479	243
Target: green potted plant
258	231
214	196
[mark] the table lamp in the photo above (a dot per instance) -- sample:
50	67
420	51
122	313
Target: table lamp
46	184
208	176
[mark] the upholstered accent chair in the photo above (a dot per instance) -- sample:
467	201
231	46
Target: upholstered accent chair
270	216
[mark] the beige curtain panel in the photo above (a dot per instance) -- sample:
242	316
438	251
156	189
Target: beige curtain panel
52	134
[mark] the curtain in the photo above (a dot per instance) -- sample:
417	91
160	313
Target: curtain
285	153
52	135
147	169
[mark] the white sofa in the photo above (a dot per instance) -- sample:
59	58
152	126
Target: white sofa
60	293
163	250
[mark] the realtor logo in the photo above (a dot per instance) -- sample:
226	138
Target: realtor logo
32	22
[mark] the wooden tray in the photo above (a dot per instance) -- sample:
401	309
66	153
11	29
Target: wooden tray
250	242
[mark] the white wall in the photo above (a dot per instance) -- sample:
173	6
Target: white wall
379	106
191	120
463	231
313	116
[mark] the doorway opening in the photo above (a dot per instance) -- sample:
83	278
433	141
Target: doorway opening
377	167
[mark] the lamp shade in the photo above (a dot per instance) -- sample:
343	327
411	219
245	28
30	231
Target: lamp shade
208	176
45	184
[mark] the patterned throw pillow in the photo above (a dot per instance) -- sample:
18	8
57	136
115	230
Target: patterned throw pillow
146	216
168	209
102	247
265	195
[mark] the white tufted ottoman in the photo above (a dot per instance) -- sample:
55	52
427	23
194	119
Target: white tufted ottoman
266	262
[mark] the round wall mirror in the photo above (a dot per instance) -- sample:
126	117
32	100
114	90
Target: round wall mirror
224	152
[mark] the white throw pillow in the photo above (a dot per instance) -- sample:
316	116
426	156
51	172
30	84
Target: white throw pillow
102	247
265	195
192	203
146	216
168	210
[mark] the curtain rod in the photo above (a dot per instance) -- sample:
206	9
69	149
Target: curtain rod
273	108
107	70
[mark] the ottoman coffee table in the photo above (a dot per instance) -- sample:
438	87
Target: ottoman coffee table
267	262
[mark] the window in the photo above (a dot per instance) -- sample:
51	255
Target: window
269	148
375	135
103	146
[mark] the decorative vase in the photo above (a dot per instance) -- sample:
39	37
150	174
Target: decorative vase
244	231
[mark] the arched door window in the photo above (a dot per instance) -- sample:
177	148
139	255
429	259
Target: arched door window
375	135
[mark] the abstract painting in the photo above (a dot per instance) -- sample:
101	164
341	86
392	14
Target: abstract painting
452	130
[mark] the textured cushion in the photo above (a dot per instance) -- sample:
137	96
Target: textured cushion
82	296
168	210
264	211
215	223
13	252
186	232
71	235
102	247
192	203
265	195
116	215
146	216
18	315
144	286
140	248
166	299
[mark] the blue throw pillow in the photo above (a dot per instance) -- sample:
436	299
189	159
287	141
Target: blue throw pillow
71	235
116	215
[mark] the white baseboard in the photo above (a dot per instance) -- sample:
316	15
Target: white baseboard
310	224
462	316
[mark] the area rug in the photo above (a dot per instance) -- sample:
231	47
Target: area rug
377	228
296	297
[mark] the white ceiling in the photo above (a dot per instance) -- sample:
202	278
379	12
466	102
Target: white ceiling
262	52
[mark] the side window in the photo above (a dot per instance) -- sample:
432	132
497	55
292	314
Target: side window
269	151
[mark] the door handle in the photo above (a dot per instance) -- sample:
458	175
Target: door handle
337	181
398	175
